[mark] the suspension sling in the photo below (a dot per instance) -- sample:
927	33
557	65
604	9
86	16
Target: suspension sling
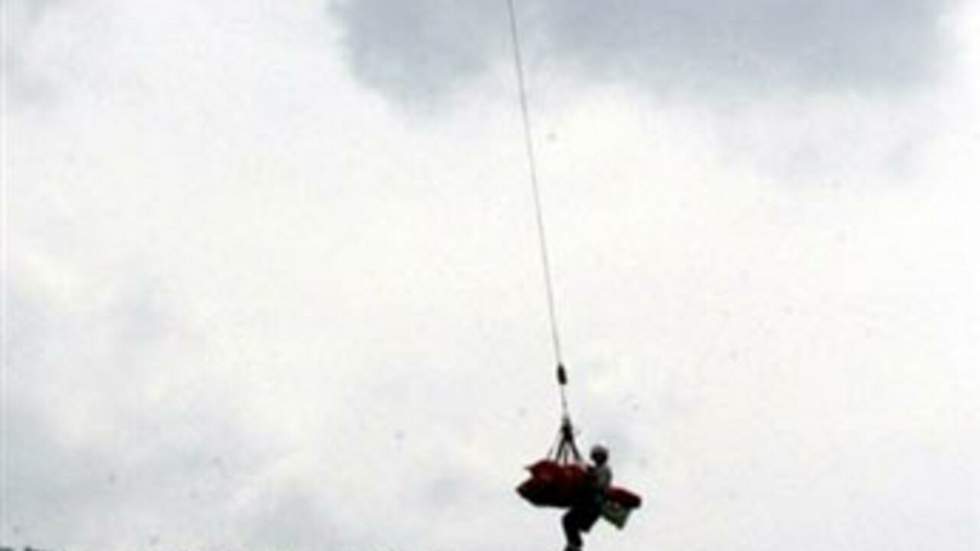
559	479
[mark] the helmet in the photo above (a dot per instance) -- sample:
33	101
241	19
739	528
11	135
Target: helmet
599	453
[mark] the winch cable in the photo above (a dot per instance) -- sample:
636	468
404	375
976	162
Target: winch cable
539	218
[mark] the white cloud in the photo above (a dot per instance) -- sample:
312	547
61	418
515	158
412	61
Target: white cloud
252	306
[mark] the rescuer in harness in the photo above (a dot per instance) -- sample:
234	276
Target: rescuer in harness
588	506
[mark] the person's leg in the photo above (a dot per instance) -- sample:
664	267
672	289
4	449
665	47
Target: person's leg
587	518
569	523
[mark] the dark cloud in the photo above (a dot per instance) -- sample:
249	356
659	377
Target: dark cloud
712	49
418	49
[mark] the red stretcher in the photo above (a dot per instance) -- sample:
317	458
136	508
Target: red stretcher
555	484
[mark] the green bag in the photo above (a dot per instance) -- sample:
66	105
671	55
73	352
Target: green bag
616	514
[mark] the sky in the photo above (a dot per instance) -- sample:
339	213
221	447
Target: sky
271	278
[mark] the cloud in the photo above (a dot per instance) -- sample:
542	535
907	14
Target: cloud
418	50
720	51
251	307
110	417
293	517
35	65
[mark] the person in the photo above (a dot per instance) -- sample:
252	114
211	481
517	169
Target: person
587	508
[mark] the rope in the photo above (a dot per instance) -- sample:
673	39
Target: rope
539	217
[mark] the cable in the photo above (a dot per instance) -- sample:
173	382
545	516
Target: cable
539	216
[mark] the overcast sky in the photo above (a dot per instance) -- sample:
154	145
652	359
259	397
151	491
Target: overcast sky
272	280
